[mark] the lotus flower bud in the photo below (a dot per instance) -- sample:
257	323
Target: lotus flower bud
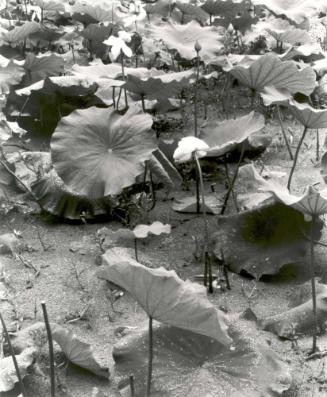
197	47
230	29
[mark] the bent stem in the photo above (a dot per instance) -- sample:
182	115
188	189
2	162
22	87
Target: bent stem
207	267
150	359
284	132
51	355
20	380
296	157
313	286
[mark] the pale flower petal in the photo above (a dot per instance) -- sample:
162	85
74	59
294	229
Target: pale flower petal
189	145
127	37
127	50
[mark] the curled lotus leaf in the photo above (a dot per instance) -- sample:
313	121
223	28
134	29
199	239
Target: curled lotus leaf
223	137
273	96
189	364
183	37
165	297
98	152
307	115
270	70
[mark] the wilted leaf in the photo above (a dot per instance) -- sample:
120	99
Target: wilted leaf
76	351
156	228
299	318
189	205
10	75
270	70
188	364
183	37
261	241
97	152
223	137
8	376
165	297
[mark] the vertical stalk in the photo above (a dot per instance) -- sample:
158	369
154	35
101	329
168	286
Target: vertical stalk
296	157
317	145
313	286
20	380
123	73
131	385
284	132
135	250
143	103
196	123
150	359
51	355
229	185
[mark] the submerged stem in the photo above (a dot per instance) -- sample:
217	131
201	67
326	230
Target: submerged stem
296	157
150	359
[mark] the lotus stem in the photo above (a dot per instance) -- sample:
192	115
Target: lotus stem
207	268
20	380
131	385
231	185
296	157
196	124
284	132
51	355
143	103
136	250
317	145
123	73
150	359
313	286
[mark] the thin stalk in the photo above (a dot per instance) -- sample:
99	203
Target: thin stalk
136	250
143	103
207	267
296	157
51	355
317	145
20	380
231	186
150	359
131	385
123	73
284	132
313	286
196	125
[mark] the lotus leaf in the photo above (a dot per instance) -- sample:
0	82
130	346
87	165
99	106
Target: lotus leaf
307	115
292	36
50	5
188	364
88	14
299	318
273	96
189	205
165	297
183	37
39	67
76	351
156	228
191	11
20	33
270	70
97	152
223	137
263	240
8	376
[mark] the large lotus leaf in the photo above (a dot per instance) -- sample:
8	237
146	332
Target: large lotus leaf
192	11
50	5
261	241
295	10
77	352
307	115
97	152
57	200
310	203
223	137
69	85
8	376
188	364
39	67
299	318
164	296
10	75
292	36
183	37
230	12
95	13
309	52
270	70
161	86
95	35
20	33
